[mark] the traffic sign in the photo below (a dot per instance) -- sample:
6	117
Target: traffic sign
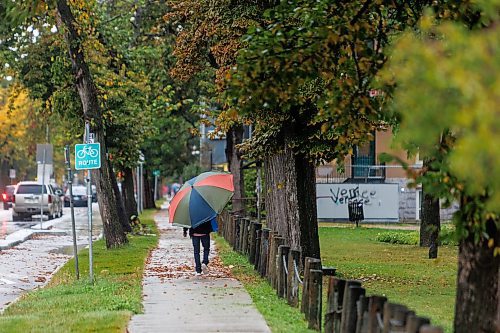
87	156
156	173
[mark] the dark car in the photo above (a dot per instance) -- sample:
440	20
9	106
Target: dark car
79	196
7	194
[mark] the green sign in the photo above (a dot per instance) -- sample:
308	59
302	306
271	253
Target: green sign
87	156
156	173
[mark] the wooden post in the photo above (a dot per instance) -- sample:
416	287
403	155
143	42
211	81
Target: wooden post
223	223
270	255
237	232
258	237
338	302
315	298
353	291
413	323
230	231
394	316
281	278
292	289
278	241
330	310
375	305
264	251
220	223
252	239
310	263
242	235
246	228
361	306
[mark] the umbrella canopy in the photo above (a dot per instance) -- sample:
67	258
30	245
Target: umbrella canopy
200	199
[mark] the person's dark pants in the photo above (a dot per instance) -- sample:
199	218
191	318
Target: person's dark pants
205	242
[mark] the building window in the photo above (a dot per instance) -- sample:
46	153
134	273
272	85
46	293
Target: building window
362	159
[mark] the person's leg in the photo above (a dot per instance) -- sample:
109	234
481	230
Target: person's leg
196	247
205	241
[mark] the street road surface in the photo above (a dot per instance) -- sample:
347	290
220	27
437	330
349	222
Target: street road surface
31	264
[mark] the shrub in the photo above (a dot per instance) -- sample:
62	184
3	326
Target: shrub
398	237
447	236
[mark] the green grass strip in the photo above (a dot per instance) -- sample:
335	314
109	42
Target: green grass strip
403	273
70	305
280	316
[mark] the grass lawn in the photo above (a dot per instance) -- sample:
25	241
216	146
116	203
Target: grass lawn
68	305
278	314
400	272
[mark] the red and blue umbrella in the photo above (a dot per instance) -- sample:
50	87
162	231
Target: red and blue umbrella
200	199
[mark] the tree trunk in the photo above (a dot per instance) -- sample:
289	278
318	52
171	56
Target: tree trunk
235	137
291	200
128	193
122	213
149	201
430	225
477	307
113	231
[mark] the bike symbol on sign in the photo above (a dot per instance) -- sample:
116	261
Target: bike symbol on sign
87	151
87	156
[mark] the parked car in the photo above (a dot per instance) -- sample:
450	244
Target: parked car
28	201
79	196
7	196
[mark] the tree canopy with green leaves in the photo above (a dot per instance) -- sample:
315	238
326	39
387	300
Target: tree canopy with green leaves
310	66
446	83
303	79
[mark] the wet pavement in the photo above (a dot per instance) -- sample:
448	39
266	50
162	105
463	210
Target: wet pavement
32	263
7	226
175	300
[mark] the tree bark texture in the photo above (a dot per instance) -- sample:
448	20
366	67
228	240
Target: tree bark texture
122	213
149	201
477	307
128	193
291	200
235	137
113	230
430	225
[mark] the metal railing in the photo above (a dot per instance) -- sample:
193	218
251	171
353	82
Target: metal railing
355	173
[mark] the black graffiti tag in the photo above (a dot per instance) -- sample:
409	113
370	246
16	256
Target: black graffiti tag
344	196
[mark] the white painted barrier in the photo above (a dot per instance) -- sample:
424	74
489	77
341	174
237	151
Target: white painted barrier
380	201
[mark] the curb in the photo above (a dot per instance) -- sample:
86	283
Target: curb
23	235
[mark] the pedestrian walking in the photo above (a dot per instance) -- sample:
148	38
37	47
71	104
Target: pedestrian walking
196	206
201	235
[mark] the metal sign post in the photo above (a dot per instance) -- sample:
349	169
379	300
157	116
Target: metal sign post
87	157
67	161
156	173
89	211
43	187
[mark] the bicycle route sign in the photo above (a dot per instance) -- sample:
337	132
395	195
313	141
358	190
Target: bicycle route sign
87	156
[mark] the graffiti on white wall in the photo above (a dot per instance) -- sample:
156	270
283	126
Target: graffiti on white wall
342	196
380	201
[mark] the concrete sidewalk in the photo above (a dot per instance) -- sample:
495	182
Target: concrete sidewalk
175	300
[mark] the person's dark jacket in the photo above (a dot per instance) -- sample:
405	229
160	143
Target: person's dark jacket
203	229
